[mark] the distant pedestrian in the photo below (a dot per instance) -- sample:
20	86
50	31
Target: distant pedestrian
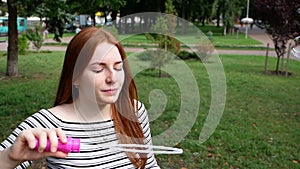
77	30
45	33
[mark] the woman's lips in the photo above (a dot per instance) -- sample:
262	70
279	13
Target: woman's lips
110	91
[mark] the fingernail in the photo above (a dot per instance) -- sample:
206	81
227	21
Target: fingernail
53	149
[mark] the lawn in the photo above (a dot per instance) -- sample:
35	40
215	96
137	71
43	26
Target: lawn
193	36
217	40
259	127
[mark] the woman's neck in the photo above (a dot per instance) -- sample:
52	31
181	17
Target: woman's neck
91	112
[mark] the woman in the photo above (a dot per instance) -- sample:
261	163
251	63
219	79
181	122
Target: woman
97	102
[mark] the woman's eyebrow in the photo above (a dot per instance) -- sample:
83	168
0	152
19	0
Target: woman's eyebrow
102	63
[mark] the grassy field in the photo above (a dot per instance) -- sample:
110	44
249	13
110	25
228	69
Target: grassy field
218	40
192	37
259	127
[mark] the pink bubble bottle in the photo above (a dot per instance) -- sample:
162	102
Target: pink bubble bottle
72	145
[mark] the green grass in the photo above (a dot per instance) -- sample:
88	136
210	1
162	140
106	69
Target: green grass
218	41
192	37
259	127
35	88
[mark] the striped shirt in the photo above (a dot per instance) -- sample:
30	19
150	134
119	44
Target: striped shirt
92	136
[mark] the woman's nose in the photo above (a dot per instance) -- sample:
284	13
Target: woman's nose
110	77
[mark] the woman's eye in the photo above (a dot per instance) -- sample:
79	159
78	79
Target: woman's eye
98	70
119	68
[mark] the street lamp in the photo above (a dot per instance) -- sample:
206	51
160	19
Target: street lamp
247	20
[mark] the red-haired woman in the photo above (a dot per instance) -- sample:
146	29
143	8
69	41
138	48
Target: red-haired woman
97	102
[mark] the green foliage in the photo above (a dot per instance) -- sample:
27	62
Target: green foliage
35	35
161	36
185	55
170	8
202	54
210	35
157	59
160	26
146	55
163	29
281	20
165	42
171	17
228	11
112	29
23	44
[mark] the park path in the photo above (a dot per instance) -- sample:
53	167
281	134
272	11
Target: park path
255	33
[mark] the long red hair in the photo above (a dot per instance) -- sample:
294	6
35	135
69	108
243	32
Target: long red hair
78	54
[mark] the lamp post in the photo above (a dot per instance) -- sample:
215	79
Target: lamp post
247	20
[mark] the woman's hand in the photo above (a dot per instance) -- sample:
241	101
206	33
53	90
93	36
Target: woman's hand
23	148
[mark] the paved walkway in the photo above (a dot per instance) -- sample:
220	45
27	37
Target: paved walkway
255	33
259	35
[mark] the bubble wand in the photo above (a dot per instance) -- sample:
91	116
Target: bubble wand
73	145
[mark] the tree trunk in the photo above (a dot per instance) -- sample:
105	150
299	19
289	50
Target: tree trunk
12	49
184	16
277	65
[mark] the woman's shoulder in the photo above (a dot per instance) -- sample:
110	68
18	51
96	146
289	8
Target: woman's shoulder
64	112
141	112
53	115
139	105
41	118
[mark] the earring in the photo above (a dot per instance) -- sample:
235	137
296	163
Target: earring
76	84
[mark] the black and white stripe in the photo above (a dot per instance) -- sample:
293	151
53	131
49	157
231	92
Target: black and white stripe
92	136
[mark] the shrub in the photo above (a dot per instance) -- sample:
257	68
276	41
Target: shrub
185	55
146	55
35	35
157	58
23	44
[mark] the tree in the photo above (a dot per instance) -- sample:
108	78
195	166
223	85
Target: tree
56	13
35	35
12	49
42	8
137	6
164	30
91	7
3	8
281	20
201	10
228	11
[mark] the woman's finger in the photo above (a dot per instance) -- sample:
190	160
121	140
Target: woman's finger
61	135
42	137
52	136
27	137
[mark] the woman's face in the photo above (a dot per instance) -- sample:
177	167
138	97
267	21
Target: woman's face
103	78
